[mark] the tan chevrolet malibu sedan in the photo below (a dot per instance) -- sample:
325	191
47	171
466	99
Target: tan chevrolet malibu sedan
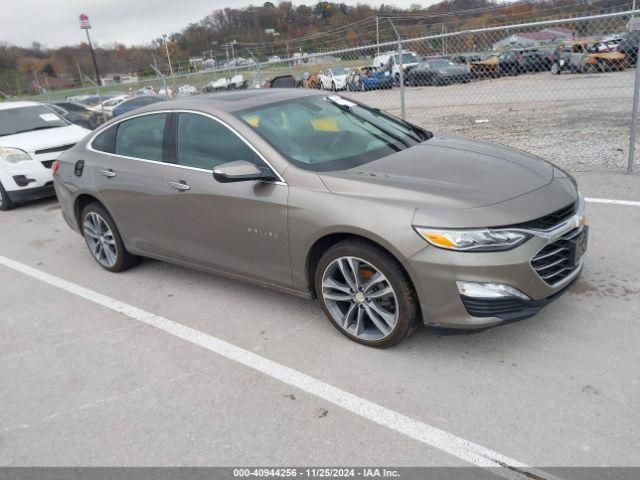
390	226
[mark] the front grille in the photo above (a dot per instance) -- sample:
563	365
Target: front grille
551	220
48	163
61	148
559	259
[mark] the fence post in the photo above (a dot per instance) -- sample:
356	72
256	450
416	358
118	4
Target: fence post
401	70
634	117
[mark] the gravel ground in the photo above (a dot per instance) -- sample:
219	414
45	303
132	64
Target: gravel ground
579	122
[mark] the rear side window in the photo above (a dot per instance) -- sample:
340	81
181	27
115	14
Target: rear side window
205	143
105	141
141	137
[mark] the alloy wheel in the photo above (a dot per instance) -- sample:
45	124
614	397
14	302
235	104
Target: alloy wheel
360	299
100	240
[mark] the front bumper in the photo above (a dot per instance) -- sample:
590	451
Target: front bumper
28	180
435	272
33	193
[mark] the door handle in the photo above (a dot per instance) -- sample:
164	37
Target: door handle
108	173
180	186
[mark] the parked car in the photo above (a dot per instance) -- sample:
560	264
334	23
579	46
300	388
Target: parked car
313	81
628	46
282	81
488	67
515	62
583	56
187	90
369	78
334	79
320	196
78	114
467	59
136	102
391	61
237	82
32	136
438	72
216	85
110	104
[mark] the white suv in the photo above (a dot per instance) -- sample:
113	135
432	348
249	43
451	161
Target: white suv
391	61
334	79
31	138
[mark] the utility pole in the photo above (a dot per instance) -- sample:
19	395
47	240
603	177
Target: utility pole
86	26
444	40
233	55
166	46
377	34
258	73
35	74
80	75
400	69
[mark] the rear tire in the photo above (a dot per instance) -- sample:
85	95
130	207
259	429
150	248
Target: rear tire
400	301
105	237
5	202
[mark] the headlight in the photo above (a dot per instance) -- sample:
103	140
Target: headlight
482	240
14	155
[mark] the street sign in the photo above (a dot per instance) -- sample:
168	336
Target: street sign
84	21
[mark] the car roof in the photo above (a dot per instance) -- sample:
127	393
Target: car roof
233	101
8	105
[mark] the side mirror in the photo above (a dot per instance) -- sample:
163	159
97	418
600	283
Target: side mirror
242	171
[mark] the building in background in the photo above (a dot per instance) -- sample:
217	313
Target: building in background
532	39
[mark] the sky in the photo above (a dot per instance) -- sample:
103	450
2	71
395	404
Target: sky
54	23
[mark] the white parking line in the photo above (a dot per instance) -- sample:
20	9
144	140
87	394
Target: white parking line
410	427
613	202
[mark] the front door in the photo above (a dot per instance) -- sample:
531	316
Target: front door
238	228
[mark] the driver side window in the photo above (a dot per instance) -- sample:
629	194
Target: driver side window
206	143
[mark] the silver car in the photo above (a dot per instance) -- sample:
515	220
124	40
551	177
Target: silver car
388	225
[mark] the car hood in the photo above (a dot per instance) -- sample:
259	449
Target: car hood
42	139
445	172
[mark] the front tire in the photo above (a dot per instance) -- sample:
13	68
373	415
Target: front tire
5	202
104	241
366	294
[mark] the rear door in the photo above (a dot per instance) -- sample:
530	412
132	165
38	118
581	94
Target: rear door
239	228
129	177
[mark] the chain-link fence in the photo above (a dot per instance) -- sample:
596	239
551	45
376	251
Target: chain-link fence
560	88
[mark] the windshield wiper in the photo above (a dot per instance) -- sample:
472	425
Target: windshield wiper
421	135
347	109
42	127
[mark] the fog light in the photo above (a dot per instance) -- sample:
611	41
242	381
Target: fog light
489	290
22	180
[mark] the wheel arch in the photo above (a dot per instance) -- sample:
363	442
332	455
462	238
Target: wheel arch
80	203
326	241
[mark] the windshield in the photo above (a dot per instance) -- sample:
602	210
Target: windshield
28	119
331	133
408	57
340	71
441	64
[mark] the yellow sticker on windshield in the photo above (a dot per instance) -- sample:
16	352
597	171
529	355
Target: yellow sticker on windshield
253	121
324	125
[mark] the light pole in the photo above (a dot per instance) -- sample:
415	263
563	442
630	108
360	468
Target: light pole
85	25
166	46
